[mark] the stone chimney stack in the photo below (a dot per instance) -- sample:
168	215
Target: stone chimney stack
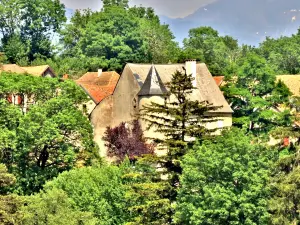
99	72
191	68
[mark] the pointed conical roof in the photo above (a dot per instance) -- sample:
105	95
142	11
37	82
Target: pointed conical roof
153	84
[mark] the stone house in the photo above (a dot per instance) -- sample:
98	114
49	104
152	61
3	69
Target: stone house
39	71
140	84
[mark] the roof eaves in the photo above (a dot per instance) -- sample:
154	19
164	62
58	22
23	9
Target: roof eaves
86	91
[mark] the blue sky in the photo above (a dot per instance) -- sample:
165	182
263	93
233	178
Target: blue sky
170	8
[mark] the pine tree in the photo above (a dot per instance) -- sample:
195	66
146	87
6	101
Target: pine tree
180	120
146	194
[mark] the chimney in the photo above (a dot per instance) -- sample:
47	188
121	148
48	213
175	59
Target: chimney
99	72
190	66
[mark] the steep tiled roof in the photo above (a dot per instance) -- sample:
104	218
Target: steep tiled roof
99	87
219	80
207	89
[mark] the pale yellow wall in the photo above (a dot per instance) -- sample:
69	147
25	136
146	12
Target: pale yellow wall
124	98
221	121
115	109
146	100
101	117
90	105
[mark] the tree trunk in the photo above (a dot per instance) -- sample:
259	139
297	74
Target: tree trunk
43	157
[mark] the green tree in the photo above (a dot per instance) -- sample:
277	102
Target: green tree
205	44
53	136
117	35
179	120
15	50
120	3
6	179
146	194
53	207
73	31
254	95
284	182
224	182
10	205
10	209
282	54
29	25
160	44
10	117
10	19
95	190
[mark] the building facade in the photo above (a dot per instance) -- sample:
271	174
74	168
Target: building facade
141	84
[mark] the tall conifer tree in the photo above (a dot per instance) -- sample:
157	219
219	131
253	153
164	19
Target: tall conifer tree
180	120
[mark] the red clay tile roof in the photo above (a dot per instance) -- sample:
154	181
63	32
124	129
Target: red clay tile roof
219	80
99	88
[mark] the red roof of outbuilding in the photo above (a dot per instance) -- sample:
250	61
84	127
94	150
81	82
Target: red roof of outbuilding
219	80
99	87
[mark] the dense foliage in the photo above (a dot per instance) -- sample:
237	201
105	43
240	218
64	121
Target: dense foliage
118	34
50	171
27	27
126	140
51	136
224	182
103	196
254	94
205	45
179	120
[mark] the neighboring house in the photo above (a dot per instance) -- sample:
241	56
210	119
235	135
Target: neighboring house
292	82
98	86
41	71
142	83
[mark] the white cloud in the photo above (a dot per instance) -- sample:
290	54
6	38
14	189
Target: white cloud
171	8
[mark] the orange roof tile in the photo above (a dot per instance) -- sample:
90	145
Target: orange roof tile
99	87
219	80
